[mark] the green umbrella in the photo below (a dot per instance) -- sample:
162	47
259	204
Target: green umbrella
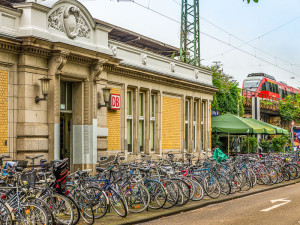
278	130
266	128
232	124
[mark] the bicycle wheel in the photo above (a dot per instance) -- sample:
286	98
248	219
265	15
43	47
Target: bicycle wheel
44	205
86	208
117	203
273	175
172	193
5	215
184	192
199	192
158	195
30	213
224	184
61	207
98	199
137	197
76	210
263	176
211	186
286	174
293	171
191	185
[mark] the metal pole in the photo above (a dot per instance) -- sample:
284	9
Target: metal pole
248	142
228	145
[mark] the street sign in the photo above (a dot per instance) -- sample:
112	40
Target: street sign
115	102
214	112
293	123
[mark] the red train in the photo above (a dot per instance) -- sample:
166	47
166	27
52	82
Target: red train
265	85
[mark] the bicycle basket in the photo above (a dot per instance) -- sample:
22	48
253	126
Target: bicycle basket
28	179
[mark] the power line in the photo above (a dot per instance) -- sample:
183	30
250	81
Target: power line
248	42
212	37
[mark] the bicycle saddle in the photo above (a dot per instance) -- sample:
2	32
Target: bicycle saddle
100	169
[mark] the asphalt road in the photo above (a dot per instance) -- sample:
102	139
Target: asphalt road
255	209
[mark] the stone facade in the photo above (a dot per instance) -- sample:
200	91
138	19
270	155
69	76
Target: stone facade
59	39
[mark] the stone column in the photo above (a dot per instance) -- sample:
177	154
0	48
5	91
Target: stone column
158	124
123	135
191	114
147	121
135	121
55	65
182	118
198	135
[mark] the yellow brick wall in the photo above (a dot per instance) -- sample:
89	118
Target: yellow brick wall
114	125
171	114
3	110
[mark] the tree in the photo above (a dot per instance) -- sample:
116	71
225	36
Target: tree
228	99
290	108
250	1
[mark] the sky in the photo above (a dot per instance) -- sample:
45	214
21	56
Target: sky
272	26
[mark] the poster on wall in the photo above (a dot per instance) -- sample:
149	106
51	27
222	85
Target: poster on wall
297	136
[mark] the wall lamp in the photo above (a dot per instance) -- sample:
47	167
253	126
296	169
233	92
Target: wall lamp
106	96
45	89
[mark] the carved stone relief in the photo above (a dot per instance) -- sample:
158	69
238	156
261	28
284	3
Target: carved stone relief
114	50
144	59
172	67
69	19
197	73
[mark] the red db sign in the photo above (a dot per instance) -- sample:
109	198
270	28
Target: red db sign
115	102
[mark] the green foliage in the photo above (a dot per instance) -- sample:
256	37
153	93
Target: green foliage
250	1
228	99
216	141
262	102
279	142
252	144
265	145
290	108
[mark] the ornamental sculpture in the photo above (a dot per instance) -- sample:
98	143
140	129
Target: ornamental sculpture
69	19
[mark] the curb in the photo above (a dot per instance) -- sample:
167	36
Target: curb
180	210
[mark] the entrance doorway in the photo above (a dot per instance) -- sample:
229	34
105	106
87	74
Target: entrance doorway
65	135
66	112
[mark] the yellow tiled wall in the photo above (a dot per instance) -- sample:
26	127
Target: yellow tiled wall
114	125
3	110
171	114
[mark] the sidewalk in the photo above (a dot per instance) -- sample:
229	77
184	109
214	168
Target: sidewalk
135	218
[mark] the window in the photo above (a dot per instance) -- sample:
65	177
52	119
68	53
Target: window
66	101
195	125
186	123
152	122
263	87
202	126
142	121
129	120
267	86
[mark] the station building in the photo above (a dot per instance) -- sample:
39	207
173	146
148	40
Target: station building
72	86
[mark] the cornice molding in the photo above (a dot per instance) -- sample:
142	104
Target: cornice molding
14	12
161	79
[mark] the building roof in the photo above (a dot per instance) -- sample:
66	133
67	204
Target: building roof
8	3
138	40
125	36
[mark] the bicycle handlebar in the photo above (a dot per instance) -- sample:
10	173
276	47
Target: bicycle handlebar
36	157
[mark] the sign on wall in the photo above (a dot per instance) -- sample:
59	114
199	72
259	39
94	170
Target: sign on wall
115	102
